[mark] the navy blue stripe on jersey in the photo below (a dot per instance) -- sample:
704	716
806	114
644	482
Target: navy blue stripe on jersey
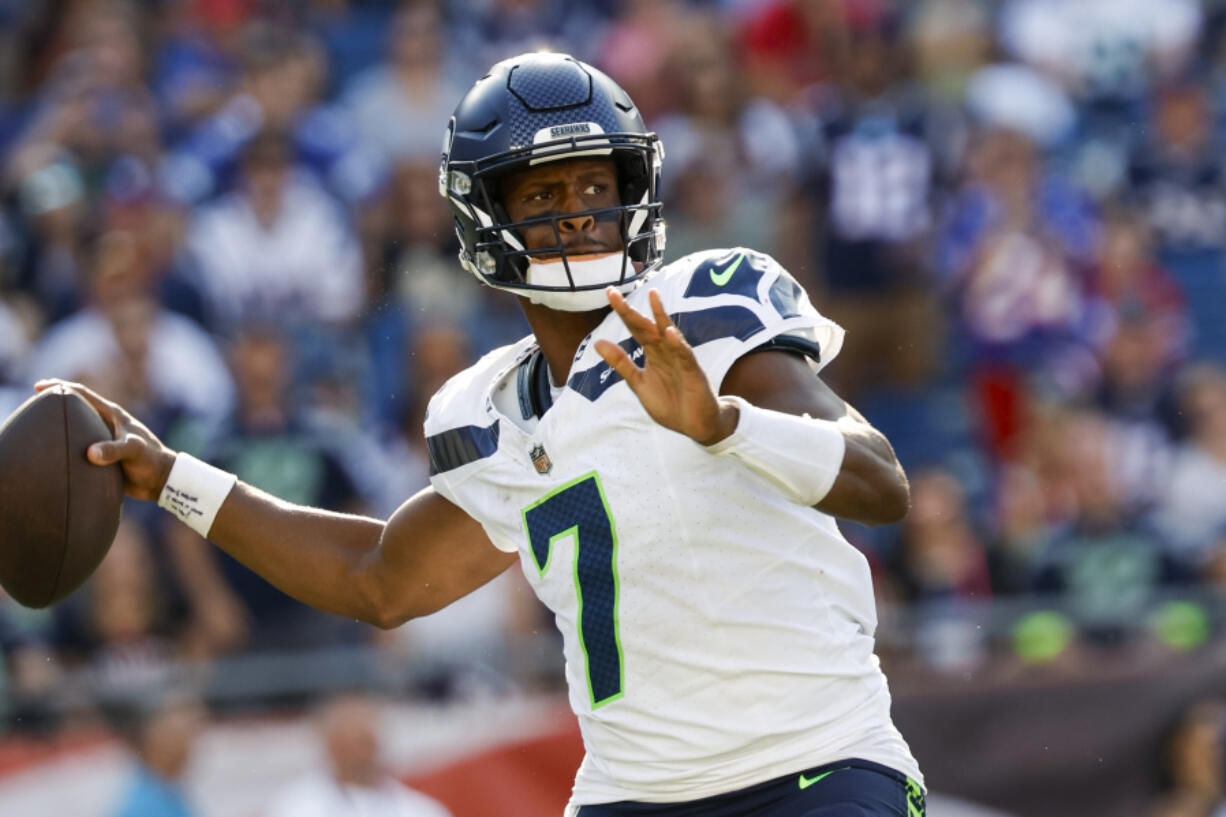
705	325
455	447
708	278
699	326
786	296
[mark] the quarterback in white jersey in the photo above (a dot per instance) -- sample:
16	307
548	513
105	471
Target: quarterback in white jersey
717	633
661	458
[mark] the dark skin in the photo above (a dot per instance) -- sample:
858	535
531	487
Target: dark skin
430	553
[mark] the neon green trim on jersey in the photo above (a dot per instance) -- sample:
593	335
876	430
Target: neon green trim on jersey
573	530
726	276
915	799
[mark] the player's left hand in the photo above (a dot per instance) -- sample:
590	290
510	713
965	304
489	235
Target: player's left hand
671	385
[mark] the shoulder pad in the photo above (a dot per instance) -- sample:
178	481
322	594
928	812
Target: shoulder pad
458	426
461	401
733	272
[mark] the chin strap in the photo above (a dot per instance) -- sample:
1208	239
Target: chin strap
589	275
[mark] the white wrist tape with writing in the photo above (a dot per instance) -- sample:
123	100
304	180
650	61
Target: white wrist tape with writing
799	454
194	492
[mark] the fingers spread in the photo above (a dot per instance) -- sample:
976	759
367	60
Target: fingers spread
641	327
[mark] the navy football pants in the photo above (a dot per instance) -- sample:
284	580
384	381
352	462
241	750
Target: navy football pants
847	788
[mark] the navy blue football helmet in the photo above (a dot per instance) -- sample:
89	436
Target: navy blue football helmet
543	107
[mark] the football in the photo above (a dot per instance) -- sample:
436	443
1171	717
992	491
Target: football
58	512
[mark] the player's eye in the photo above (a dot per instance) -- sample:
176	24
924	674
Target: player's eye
539	195
595	189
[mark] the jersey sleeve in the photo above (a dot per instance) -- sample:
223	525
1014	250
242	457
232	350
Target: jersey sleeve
731	302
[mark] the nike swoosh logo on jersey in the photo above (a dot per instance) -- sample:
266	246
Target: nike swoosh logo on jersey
806	782
726	275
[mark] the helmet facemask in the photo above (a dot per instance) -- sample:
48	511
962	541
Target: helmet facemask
495	250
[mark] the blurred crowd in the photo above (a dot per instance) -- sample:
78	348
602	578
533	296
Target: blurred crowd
224	215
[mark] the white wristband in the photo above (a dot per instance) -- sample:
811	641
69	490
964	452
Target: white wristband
194	492
799	454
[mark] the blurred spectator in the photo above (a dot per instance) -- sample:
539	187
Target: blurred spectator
1023	530
942	569
277	246
951	38
401	108
352	31
126	628
1127	283
283	74
14	346
1136	321
269	442
147	606
1017	98
1191	509
1104	50
637	48
20	322
161	730
792	44
196	65
420	265
355	783
1106	562
734	154
1136	390
95	103
1013	248
941	553
1193	759
1176	177
392	463
158	363
51	203
1176	174
719	116
707	204
871	202
415	285
30	669
486	31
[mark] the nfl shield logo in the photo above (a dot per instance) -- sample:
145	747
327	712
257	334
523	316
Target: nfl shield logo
540	459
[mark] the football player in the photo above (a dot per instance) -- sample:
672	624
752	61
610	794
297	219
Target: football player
659	455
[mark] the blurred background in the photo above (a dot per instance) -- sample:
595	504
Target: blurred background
224	215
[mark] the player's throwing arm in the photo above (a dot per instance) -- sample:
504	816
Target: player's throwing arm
427	555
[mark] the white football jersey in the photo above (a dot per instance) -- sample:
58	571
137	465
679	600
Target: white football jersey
716	632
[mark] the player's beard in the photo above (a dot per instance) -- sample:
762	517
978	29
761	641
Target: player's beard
590	270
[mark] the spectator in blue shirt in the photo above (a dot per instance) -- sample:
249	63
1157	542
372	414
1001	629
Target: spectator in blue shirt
161	734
